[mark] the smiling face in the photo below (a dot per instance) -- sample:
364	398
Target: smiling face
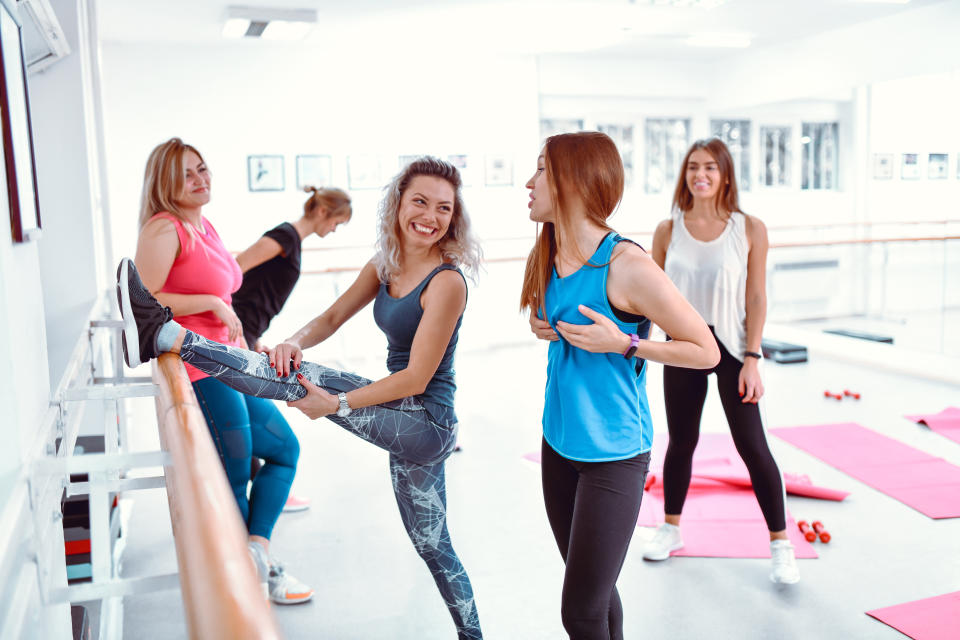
541	200
196	182
703	175
426	210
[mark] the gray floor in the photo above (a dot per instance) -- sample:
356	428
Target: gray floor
351	547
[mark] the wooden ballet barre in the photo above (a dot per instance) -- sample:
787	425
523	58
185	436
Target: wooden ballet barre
773	245
222	597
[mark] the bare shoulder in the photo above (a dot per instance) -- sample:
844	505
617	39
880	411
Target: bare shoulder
449	281
158	226
756	231
628	257
664	228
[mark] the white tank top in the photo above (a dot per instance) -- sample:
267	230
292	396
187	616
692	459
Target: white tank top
712	276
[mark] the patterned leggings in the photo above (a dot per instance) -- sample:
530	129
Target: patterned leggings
417	446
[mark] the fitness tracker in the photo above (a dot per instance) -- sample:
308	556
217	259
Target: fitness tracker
344	409
752	354
634	343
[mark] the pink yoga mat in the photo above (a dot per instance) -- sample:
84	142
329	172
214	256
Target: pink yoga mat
926	483
946	423
721	517
794	485
935	618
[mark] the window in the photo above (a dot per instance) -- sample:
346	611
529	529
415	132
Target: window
736	135
667	140
820	162
775	156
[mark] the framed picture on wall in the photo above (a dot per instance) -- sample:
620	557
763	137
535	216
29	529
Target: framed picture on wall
882	166
937	166
364	172
314	171
910	166
21	174
499	171
265	173
465	165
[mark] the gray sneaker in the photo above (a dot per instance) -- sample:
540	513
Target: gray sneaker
666	539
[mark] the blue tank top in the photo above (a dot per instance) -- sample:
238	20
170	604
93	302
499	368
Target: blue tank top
595	409
399	319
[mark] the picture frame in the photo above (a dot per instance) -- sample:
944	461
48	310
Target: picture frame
465	165
938	166
883	166
364	172
910	166
498	170
18	153
265	173
314	171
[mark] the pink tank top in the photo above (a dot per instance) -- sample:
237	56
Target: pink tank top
204	266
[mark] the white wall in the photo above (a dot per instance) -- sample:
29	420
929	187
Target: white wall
60	106
250	98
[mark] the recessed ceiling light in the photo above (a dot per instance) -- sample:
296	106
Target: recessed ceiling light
720	40
699	4
269	24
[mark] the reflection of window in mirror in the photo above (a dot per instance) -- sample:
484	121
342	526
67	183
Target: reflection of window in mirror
819	146
736	135
666	141
776	152
622	136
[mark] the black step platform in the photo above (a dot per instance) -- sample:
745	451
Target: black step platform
860	335
783	352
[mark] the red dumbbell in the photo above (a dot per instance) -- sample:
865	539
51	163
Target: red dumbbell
831	394
821	531
851	394
806	531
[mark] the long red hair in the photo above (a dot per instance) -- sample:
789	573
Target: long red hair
727	198
583	168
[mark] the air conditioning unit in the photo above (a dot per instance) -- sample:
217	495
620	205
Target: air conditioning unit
43	39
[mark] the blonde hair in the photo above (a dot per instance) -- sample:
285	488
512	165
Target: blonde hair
335	201
163	182
458	246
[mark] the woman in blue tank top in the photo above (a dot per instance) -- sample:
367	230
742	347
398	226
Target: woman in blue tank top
593	294
419	295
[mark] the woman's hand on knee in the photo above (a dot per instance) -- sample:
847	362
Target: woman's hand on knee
285	358
317	403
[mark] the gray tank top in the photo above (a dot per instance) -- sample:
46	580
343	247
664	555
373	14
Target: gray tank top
399	319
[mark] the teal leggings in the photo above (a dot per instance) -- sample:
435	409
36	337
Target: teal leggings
242	427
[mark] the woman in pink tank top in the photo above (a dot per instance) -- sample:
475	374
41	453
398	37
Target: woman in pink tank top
185	265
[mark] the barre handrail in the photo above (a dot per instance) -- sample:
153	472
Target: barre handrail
222	598
773	245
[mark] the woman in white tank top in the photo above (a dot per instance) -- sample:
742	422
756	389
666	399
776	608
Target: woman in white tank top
716	255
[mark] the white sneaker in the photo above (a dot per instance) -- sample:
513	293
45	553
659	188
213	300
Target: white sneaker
784	569
262	563
666	539
284	588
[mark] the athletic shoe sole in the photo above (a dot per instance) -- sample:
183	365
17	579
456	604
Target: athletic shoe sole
296	599
130	338
656	557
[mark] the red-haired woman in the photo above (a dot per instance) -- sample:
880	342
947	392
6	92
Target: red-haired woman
599	292
717	256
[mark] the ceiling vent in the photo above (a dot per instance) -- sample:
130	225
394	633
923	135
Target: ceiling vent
43	39
268	24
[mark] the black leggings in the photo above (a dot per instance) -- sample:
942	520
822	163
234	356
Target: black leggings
684	392
593	509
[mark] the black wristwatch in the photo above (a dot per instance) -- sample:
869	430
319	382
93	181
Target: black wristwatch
752	354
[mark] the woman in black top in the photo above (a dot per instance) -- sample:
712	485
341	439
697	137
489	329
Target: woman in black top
271	265
271	268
